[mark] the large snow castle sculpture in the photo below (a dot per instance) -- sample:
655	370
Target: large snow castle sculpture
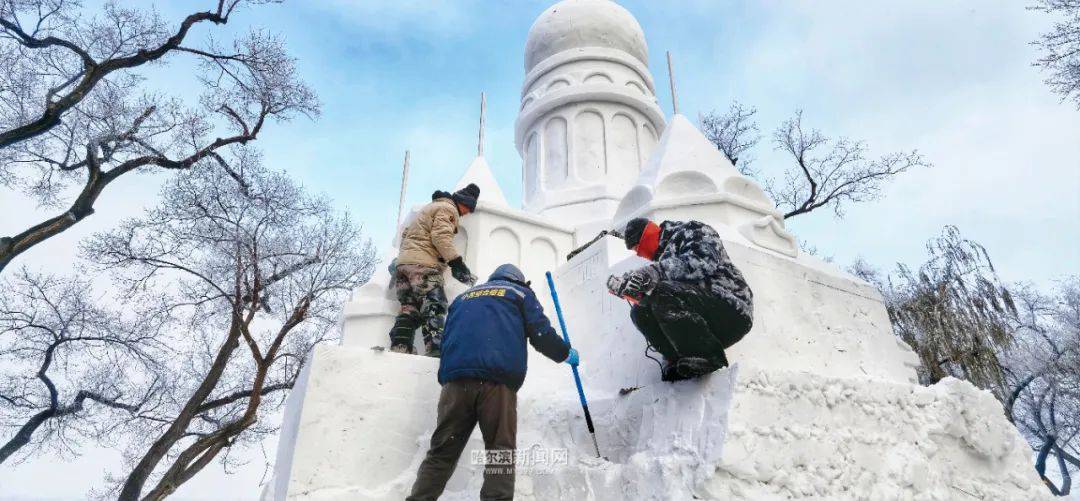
821	401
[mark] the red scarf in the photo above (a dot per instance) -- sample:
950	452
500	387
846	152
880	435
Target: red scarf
650	240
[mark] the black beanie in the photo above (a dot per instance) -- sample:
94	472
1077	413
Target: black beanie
467	196
633	232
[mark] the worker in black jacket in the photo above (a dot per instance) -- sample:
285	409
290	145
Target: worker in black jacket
692	303
483	365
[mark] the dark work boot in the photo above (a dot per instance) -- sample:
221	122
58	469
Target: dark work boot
692	367
670	373
403	332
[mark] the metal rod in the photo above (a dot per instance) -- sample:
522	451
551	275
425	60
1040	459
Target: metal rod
404	185
577	377
671	81
480	141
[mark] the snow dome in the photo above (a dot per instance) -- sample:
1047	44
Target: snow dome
589	117
572	24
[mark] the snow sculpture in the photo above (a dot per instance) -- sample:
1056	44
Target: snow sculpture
821	402
589	117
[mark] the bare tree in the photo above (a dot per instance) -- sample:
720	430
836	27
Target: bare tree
1060	48
60	352
249	271
75	115
1043	375
827	173
830	173
954	312
734	132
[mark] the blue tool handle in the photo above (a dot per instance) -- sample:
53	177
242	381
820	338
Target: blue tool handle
566	337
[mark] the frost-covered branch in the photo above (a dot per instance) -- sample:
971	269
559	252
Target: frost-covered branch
831	173
1060	48
246	273
74	116
734	132
60	350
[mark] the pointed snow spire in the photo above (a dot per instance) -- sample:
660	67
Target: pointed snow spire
687	170
685	164
479	172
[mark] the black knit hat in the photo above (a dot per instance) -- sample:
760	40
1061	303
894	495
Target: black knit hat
467	196
633	232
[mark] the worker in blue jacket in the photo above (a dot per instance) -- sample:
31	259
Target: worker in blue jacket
483	365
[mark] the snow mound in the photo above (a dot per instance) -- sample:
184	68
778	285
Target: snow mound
797	435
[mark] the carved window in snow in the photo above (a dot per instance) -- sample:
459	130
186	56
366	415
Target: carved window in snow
624	149
532	157
648	142
589	158
555	164
541	257
504	243
461	243
597	78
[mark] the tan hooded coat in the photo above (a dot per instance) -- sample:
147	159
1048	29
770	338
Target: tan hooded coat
429	239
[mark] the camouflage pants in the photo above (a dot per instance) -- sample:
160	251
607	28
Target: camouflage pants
423	305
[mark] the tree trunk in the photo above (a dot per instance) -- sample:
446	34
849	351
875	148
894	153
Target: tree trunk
135	481
22	437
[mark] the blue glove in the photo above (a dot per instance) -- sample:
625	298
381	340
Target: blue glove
572	358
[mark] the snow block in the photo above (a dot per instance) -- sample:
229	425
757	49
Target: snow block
359	421
354	425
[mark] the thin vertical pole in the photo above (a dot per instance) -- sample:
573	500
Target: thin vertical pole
573	368
480	141
671	80
404	185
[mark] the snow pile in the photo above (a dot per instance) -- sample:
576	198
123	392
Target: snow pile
661	441
764	435
797	435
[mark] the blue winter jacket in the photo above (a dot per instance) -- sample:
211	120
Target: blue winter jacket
486	328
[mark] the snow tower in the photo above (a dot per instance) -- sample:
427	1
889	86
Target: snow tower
821	400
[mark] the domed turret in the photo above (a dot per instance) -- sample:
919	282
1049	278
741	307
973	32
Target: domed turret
589	118
575	24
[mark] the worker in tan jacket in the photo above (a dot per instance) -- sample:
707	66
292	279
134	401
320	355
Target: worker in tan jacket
427	248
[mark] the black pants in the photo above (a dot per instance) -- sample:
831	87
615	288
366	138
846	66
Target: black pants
463	404
682	320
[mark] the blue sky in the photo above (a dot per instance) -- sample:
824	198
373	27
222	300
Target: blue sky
950	78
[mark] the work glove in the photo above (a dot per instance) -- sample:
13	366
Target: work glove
460	272
615	284
572	358
635	284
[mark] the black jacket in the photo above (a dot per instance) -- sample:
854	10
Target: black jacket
691	252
